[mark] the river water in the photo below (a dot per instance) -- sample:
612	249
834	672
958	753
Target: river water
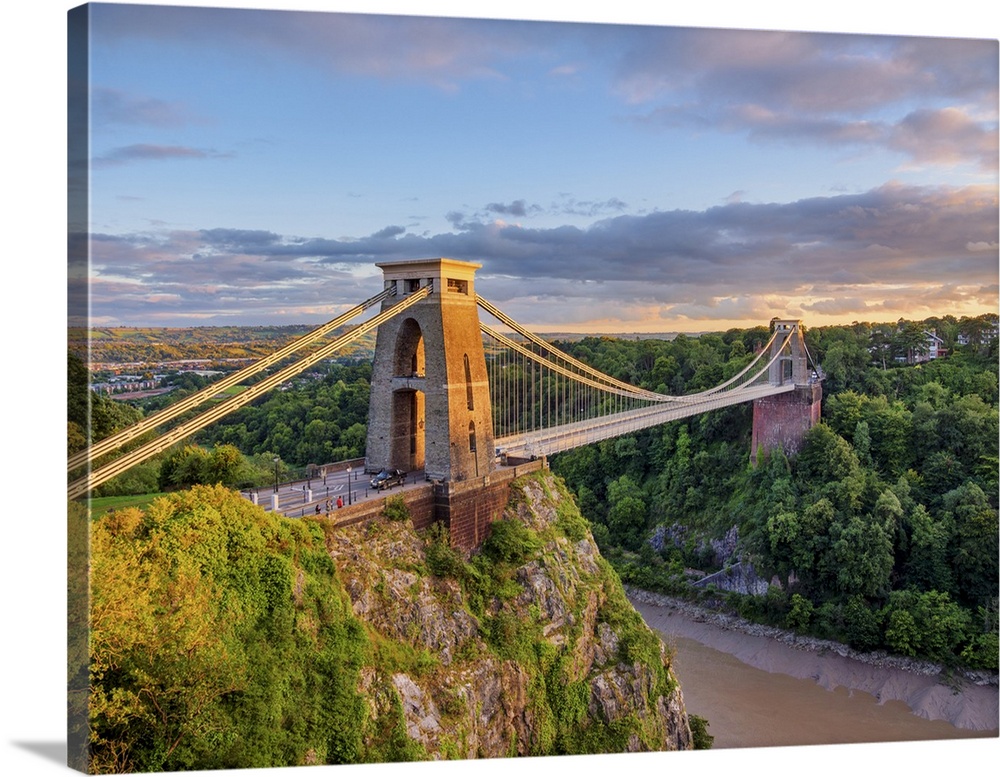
755	692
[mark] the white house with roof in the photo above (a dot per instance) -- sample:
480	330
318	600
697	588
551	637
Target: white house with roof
935	347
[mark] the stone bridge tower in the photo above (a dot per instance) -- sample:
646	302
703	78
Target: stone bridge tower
781	421
430	399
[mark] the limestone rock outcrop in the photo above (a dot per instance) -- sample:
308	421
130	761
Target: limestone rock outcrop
527	649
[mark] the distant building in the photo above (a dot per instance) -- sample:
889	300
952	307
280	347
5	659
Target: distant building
931	348
935	348
980	338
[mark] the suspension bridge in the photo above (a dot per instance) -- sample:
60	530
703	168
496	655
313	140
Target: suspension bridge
454	395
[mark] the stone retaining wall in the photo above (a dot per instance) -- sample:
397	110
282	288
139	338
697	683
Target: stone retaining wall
467	507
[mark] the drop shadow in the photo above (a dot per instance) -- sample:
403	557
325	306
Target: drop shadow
50	751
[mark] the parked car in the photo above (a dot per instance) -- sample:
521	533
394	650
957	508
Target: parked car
388	478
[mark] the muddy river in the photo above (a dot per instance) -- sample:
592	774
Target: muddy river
757	692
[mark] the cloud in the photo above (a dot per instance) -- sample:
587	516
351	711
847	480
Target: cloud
804	88
837	307
441	51
245	238
144	152
389	232
904	94
981	246
570	206
812	73
948	136
515	208
116	107
564	205
565	70
933	247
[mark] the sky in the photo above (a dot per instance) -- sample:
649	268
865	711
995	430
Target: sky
250	167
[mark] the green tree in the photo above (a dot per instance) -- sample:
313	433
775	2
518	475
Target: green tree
826	456
784	532
78	393
890	430
974	550
927	564
843	363
901	633
219	638
108	416
910	341
158	658
862	624
861	554
626	513
799	614
979	331
185	466
224	464
927	624
700	737
862	442
843	411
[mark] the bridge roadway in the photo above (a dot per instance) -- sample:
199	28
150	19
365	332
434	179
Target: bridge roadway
544	442
298	498
301	497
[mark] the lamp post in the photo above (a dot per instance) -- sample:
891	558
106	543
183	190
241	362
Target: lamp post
348	484
276	460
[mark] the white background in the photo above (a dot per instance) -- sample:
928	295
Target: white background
31	465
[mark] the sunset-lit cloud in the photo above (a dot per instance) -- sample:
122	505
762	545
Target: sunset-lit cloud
829	257
605	176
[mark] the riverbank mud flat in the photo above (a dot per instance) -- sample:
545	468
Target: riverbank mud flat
968	701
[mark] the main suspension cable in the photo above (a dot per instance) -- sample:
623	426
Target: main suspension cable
115	441
600	377
83	485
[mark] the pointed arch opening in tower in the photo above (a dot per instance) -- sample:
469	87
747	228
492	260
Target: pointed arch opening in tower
408	401
409	355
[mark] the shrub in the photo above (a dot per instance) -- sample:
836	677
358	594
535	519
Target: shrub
395	509
699	733
140	479
511	541
511	637
570	521
442	559
799	614
926	624
982	651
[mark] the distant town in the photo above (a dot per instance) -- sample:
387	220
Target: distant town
133	363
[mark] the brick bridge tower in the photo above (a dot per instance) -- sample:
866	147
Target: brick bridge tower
430	399
781	421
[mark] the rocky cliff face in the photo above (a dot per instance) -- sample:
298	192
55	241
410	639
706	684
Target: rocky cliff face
528	647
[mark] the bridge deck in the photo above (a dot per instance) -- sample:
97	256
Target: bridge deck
544	442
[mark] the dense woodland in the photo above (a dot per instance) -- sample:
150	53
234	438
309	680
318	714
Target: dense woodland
129	345
882	530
